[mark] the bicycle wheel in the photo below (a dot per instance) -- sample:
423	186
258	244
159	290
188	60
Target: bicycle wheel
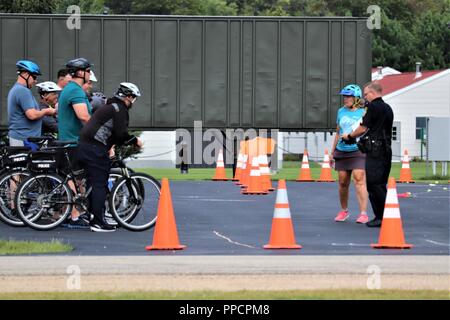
133	201
9	183
43	201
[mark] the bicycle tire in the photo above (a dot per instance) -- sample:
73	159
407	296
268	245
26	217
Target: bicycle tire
6	197
47	203
138	183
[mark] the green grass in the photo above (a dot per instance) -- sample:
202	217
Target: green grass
9	247
238	295
290	171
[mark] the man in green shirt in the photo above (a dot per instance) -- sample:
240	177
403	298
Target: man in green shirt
74	109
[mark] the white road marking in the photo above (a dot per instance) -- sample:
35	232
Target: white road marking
231	241
349	244
438	243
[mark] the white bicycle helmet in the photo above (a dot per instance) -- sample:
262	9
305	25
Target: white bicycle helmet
47	86
128	89
92	77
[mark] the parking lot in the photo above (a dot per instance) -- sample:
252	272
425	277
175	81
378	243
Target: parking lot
213	218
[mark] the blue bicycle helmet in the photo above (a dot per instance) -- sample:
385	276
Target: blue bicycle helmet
29	66
351	90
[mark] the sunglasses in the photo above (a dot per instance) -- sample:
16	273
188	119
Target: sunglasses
34	76
347	96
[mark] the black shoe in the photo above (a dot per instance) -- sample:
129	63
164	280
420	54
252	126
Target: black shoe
96	227
375	223
80	223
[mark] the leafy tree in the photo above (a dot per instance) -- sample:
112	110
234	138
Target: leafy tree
432	40
86	6
184	7
119	6
27	6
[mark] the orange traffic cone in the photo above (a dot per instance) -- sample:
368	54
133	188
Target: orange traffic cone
305	171
245	174
391	233
165	236
282	235
254	180
405	172
325	174
220	169
265	173
238	172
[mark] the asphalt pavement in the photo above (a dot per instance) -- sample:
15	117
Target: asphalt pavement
213	218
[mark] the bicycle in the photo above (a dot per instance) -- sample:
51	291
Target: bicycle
14	169
44	199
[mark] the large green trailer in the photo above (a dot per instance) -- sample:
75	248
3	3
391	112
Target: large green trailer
228	72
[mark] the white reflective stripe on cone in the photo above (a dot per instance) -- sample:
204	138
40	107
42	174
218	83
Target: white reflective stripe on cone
391	197
220	158
282	213
255	173
391	213
282	197
305	166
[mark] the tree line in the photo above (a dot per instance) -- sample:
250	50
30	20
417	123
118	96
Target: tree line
411	30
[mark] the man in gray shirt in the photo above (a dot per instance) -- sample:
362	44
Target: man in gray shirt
24	114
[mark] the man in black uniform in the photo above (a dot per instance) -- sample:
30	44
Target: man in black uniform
377	122
108	126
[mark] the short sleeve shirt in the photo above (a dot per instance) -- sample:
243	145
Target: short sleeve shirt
347	120
21	99
69	126
378	118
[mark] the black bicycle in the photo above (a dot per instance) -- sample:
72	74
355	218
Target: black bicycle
44	200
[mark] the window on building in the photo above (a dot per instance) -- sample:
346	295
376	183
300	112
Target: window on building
421	125
394	133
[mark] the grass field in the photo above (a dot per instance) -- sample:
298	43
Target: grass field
290	171
9	247
239	295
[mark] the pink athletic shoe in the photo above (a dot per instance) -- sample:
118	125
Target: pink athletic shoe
363	218
342	216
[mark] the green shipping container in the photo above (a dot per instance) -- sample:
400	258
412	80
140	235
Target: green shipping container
228	72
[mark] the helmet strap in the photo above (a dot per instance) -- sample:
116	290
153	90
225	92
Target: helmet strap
26	79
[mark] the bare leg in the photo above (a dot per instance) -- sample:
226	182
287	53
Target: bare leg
344	183
359	178
75	213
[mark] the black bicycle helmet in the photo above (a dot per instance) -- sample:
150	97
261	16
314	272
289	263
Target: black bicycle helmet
77	64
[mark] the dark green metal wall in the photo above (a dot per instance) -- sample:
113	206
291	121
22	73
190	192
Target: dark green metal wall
229	72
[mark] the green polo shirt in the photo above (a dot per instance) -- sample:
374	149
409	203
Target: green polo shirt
69	126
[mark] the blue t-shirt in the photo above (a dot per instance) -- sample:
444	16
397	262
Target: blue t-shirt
346	119
69	126
21	99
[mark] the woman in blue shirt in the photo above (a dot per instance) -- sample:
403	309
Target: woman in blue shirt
346	157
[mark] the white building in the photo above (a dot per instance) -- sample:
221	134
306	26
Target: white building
415	96
158	152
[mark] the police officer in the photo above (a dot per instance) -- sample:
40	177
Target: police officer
377	123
